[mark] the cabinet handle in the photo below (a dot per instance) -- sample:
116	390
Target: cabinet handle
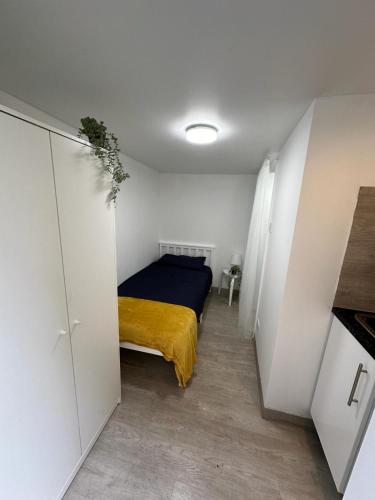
63	332
360	370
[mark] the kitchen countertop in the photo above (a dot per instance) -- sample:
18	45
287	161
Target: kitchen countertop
346	316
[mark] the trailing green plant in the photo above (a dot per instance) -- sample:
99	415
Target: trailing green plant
106	148
235	270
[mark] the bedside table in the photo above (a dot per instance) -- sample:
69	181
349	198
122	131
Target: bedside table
232	278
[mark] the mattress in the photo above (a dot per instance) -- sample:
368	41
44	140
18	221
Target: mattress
171	284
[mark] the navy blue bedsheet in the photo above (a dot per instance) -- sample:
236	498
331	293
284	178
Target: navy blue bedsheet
171	284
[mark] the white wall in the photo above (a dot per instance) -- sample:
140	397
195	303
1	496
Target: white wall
341	158
289	174
137	219
211	209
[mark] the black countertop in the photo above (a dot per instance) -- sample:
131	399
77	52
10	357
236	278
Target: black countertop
347	318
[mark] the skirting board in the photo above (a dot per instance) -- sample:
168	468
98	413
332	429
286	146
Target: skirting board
269	414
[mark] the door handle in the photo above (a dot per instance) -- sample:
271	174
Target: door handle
358	374
62	332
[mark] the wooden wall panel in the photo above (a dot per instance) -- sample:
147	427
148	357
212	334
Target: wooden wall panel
356	288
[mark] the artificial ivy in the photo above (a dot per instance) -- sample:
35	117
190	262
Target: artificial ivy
106	148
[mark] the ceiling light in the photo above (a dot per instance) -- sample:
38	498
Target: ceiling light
201	134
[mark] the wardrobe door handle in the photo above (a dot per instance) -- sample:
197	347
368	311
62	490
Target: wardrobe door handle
360	370
76	322
62	332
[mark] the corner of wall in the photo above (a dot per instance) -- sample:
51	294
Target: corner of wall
288	186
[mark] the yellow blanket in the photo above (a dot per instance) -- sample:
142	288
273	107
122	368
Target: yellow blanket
168	328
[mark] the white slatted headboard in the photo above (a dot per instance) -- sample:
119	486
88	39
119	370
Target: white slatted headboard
188	249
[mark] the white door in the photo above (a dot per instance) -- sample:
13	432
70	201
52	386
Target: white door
39	433
88	243
338	423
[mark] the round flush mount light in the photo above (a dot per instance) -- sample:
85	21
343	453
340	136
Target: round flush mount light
201	134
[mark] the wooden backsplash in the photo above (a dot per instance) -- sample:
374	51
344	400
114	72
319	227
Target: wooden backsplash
356	288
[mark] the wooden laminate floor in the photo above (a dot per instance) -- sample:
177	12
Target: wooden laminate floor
207	442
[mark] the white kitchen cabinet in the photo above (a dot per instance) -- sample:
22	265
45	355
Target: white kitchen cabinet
59	349
339	421
87	228
361	485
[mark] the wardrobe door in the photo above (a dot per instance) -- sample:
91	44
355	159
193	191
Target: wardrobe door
39	433
88	246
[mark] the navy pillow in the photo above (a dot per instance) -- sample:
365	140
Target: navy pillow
183	261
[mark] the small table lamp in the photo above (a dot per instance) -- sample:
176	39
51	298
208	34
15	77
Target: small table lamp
235	263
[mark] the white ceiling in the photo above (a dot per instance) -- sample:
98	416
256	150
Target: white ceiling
149	68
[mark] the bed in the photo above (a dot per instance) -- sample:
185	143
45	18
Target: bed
160	306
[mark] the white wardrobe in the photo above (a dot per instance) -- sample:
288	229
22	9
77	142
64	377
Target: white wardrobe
59	350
